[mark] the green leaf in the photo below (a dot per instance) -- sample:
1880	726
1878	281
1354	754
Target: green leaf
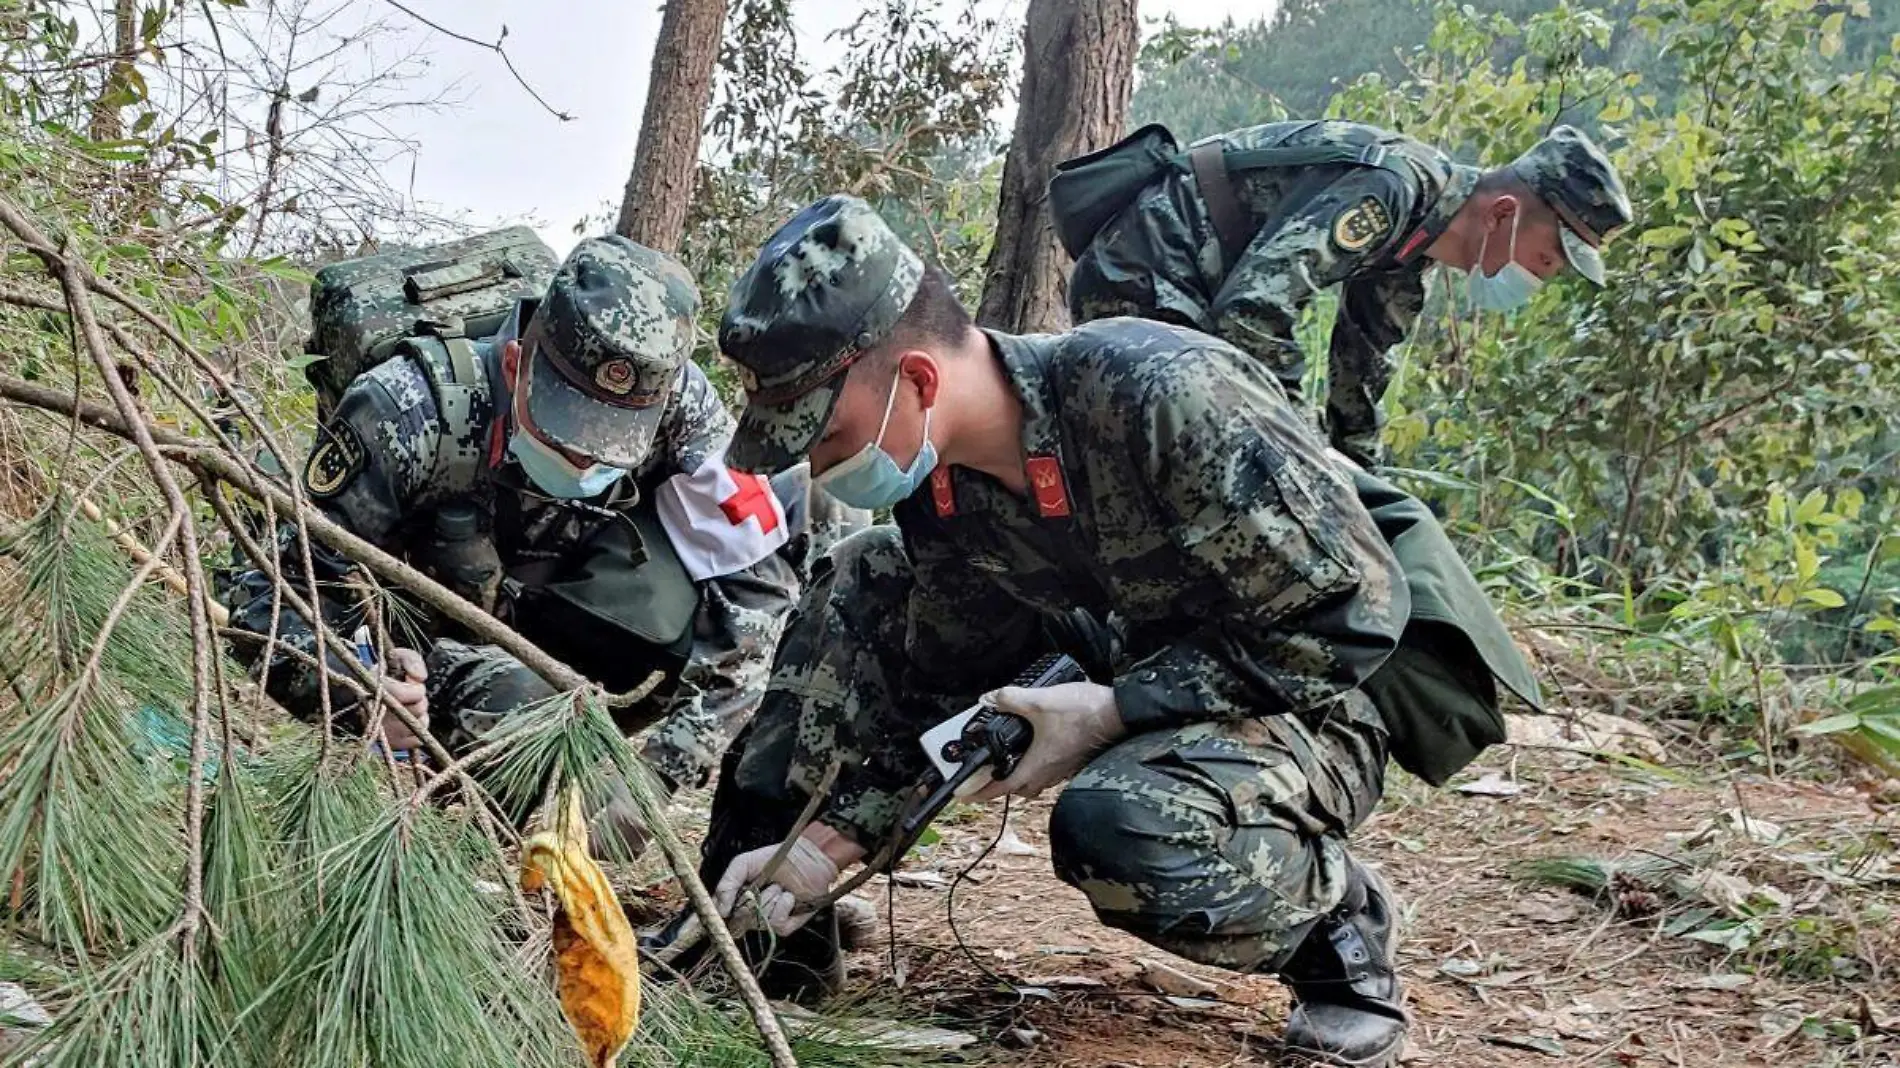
304	359
1831	34
1824	597
1778	508
1806	562
1666	236
1846	721
1811	507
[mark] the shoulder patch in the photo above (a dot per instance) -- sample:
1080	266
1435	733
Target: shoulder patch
1360	225
338	457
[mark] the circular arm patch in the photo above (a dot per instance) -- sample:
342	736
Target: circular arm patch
1360	225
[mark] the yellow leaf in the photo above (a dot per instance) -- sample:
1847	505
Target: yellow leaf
1806	562
596	964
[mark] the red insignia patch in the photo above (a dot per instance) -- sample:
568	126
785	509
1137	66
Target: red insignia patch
943	493
1051	490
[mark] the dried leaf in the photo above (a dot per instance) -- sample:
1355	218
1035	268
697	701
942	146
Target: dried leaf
1171	980
1491	785
596	964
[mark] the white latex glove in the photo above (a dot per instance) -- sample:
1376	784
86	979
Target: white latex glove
805	876
1072	722
403	677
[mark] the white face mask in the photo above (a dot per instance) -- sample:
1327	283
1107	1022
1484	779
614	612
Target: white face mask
1508	289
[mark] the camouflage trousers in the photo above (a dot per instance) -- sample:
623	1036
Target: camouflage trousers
473	687
1218	842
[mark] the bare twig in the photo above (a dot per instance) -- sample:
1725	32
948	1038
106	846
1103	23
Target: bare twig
496	48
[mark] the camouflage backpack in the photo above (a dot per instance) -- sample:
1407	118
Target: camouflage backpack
362	309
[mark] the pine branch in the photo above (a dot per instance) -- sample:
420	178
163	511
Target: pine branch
127	421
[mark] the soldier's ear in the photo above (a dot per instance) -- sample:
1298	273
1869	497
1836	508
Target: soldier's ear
1500	211
510	360
921	369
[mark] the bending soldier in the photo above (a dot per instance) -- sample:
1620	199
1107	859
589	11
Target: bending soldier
1133	471
567	475
1237	235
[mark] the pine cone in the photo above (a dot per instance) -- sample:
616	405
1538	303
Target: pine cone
1634	897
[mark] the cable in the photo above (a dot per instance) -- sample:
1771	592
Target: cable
950	904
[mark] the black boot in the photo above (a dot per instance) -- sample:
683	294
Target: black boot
802	966
1350	1010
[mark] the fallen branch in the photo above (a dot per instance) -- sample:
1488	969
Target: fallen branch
182	450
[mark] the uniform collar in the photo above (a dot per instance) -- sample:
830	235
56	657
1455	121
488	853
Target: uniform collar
1024	364
1024	360
1459	181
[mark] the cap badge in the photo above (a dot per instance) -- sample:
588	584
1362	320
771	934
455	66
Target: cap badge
615	376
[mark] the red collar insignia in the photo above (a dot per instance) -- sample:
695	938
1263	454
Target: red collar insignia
1048	486
943	493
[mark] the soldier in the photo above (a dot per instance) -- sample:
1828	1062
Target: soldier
1238	234
1128	469
570	478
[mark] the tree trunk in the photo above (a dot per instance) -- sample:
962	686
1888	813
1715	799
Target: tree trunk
106	123
659	191
1078	73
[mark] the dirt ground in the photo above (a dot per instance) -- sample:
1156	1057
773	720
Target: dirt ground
1500	970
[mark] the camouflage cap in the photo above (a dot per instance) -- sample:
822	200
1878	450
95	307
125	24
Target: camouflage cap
830	284
606	346
1580	183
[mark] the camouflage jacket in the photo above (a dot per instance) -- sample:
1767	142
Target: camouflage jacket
1174	486
1363	228
390	460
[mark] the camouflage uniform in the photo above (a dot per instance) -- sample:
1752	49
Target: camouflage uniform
1361	226
411	453
1175	490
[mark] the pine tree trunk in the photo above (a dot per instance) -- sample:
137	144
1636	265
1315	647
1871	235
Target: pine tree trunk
106	123
660	190
1078	73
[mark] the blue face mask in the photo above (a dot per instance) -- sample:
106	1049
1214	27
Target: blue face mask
554	475
1508	289
871	479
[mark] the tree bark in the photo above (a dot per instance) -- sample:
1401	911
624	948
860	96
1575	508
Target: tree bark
660	189
1078	74
106	122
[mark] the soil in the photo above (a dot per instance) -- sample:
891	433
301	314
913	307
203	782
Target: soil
1500	970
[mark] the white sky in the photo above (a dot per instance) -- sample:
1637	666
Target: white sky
502	159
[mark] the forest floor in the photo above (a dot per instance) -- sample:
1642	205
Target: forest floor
1797	878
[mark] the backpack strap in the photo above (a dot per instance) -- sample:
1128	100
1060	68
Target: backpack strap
1214	165
1212	177
462	397
1372	154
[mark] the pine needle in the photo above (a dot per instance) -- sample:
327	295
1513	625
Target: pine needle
153	1008
403	966
91	832
537	753
248	906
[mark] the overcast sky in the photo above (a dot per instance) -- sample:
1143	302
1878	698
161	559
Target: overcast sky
500	157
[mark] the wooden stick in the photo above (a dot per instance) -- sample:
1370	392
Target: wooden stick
220	615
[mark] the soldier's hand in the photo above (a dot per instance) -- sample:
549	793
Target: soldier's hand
804	877
403	681
1072	722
